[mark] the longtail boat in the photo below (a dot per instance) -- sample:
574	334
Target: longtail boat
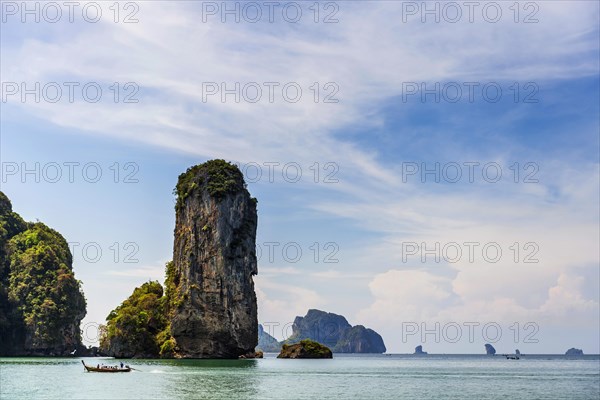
105	368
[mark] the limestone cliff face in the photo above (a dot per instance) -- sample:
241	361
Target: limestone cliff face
213	311
323	327
359	339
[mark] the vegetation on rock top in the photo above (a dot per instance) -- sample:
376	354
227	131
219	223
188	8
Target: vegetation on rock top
219	176
305	349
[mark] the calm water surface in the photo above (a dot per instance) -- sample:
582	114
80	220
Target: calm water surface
345	377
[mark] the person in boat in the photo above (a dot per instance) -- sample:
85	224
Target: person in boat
121	364
98	366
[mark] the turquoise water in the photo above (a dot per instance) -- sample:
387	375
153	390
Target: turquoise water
344	377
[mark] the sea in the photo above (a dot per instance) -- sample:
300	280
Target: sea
343	377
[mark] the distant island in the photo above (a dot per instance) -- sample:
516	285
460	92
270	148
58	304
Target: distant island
489	349
41	302
335	332
419	350
266	342
574	352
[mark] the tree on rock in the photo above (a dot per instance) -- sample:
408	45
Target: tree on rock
137	327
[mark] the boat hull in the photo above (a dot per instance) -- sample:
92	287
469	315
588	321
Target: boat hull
94	369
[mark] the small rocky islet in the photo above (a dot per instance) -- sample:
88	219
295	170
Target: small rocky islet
305	349
574	352
490	350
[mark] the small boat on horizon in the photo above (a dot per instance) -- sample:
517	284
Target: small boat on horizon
516	356
105	368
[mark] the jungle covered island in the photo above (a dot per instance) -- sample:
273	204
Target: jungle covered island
209	306
41	302
305	349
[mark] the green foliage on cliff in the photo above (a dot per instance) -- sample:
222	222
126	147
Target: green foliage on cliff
315	348
139	325
219	176
172	296
305	349
41	303
11	224
42	285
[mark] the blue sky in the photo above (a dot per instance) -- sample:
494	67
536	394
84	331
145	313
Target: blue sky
371	207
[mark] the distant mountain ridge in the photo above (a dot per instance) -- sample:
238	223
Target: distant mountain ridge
266	342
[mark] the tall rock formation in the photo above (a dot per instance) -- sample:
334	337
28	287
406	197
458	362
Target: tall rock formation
41	303
213	311
335	332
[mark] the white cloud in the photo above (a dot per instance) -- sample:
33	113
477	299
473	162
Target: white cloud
422	299
169	54
411	294
279	304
